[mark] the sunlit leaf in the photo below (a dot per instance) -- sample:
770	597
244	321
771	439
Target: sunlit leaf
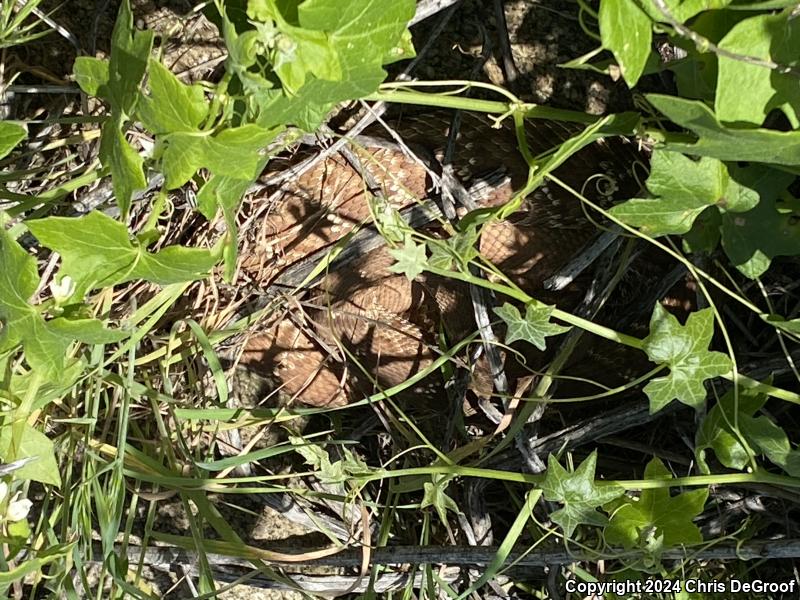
97	251
11	134
684	349
411	259
656	512
579	493
748	92
534	327
723	142
627	31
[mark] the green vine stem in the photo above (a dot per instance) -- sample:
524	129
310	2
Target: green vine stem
759	476
606	332
404	93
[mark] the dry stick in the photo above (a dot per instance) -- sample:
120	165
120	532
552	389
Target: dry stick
327	586
610	422
292	509
482	298
582	260
591	304
428	8
510	70
163	556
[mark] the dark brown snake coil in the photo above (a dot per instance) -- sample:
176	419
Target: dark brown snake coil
363	314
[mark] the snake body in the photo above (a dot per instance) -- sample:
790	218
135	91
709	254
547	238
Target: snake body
366	327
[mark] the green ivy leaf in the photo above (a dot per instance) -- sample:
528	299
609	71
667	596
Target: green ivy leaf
756	435
533	328
329	472
11	134
749	216
411	259
657	513
578	492
748	92
726	143
684	188
772	228
171	105
390	223
791	326
463	248
435	496
97	251
19	279
685	350
33	443
626	30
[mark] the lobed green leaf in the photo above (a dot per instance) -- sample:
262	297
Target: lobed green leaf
127	171
235	153
684	189
91	74
685	350
735	434
19	280
579	494
130	51
171	105
32	443
411	259
723	142
532	328
97	251
657	514
341	52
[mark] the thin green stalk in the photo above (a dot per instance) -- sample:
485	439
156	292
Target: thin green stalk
390	93
585	324
440	101
764	388
761	477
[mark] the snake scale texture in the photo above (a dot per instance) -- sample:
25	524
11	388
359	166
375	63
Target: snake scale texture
365	327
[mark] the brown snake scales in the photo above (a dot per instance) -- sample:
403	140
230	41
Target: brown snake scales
364	314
